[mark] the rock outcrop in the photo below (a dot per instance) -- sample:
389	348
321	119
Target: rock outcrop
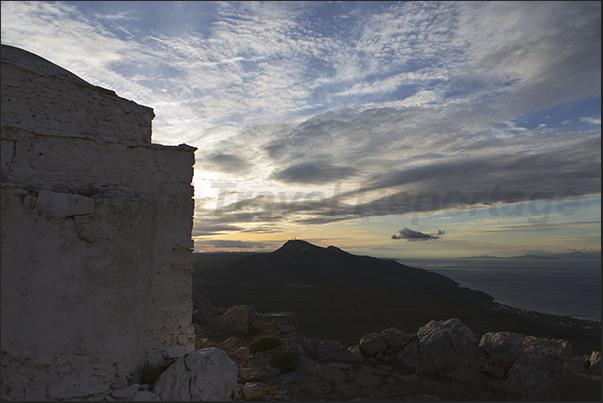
242	320
594	362
372	344
206	374
533	366
443	361
450	348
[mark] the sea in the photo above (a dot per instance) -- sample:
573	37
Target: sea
567	287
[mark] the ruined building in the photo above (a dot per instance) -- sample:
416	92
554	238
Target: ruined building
96	236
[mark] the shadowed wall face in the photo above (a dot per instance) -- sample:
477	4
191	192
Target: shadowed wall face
96	235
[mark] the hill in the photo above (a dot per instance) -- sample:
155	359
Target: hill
301	264
338	295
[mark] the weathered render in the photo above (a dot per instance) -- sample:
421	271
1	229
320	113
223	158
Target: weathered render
96	236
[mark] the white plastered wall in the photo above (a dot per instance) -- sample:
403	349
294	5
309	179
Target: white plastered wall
96	235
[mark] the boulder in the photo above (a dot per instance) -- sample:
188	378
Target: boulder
395	339
534	366
536	373
372	344
366	377
409	356
234	321
241	353
448	345
200	332
127	392
243	319
144	396
317	390
348	390
328	373
203	307
584	360
329	348
595	362
206	374
334	350
541	347
351	355
253	374
502	349
75	390
300	344
281	323
230	345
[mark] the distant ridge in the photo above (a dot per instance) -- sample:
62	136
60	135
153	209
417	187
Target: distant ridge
543	256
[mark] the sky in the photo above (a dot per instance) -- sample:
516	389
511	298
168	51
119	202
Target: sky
394	129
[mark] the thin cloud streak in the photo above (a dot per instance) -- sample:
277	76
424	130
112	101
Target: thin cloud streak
542	227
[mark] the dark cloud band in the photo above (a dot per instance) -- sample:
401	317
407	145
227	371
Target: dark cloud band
411	235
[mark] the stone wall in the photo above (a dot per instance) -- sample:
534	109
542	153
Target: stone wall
96	236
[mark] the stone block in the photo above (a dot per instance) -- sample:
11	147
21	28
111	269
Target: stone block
64	204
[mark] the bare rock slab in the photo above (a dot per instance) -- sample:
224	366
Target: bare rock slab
206	374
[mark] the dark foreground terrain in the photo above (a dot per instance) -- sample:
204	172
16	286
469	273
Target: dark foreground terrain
337	295
333	374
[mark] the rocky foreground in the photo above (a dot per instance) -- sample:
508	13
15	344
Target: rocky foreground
444	360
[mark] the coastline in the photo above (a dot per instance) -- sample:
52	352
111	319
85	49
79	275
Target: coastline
566	321
561	287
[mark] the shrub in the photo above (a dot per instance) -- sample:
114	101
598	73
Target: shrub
196	318
148	374
264	343
286	361
311	353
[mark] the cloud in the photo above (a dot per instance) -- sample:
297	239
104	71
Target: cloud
542	227
227	163
389	101
410	235
231	244
206	229
122	15
520	168
313	172
253	63
530	55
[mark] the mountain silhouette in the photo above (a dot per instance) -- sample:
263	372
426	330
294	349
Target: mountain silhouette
302	264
